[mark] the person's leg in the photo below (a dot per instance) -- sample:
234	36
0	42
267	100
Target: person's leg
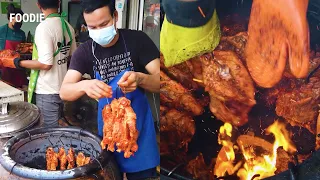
50	109
149	173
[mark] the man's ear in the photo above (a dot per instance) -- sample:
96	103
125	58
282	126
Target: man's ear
116	15
38	5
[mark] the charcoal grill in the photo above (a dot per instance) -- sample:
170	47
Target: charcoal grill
24	154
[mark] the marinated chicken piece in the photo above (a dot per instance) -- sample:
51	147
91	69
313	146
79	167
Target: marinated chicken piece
71	159
181	73
229	85
175	95
62	158
81	159
52	159
198	168
120	127
180	124
275	37
24	48
108	121
300	105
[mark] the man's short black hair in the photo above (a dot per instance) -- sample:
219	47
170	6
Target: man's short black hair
91	5
49	4
13	10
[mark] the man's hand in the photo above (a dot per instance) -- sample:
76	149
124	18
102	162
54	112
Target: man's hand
129	81
97	89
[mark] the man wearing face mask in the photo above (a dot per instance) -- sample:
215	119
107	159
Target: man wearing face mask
10	36
118	58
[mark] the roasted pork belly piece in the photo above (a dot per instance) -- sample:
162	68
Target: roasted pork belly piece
180	73
299	106
179	123
229	85
175	95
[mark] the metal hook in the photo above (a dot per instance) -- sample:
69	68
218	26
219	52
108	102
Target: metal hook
119	89
71	142
50	140
92	147
95	176
60	138
175	168
29	135
255	176
98	162
12	168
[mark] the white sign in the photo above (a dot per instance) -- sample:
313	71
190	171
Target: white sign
38	17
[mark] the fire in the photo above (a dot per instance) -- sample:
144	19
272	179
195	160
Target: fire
226	155
254	166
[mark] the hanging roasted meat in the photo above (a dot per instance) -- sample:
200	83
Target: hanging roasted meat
174	95
120	127
52	159
62	158
299	106
229	85
71	159
275	35
82	160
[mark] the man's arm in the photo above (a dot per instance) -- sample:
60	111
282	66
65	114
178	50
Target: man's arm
73	88
34	65
149	82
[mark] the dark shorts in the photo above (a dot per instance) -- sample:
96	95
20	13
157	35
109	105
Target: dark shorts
149	173
51	108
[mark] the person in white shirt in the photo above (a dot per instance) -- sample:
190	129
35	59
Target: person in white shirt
55	43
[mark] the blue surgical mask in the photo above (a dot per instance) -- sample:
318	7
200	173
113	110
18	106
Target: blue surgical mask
103	36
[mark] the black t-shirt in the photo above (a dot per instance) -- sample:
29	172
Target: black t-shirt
133	50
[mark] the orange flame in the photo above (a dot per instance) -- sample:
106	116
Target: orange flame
264	166
226	156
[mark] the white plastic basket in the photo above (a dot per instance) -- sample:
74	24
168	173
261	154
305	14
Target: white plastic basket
10	94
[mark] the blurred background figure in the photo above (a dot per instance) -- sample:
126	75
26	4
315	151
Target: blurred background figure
10	36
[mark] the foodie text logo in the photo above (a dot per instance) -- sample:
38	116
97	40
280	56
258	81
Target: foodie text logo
38	17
